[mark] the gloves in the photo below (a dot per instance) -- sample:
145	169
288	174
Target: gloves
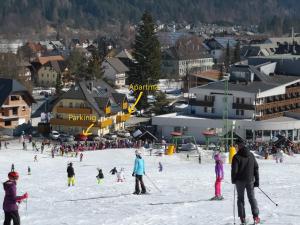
256	184
133	174
21	198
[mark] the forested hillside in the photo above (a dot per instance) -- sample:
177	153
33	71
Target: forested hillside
93	14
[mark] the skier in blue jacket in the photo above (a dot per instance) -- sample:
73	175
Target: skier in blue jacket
138	172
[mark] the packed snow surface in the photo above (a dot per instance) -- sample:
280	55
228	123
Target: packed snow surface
186	188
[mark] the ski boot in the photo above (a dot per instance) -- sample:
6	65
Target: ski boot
256	220
214	198
136	193
243	221
220	198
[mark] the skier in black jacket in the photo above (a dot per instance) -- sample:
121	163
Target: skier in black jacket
71	175
244	174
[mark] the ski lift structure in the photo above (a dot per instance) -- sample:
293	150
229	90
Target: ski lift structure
183	142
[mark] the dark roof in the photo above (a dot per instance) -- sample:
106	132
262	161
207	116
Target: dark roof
10	86
117	64
101	95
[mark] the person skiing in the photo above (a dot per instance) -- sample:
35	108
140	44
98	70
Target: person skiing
29	170
35	158
160	167
100	176
245	175
81	156
113	171
12	168
71	175
138	172
10	206
219	177
120	175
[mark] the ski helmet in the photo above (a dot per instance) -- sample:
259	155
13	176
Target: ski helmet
13	175
138	152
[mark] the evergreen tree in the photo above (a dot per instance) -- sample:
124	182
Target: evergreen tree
227	57
237	52
146	52
94	67
59	84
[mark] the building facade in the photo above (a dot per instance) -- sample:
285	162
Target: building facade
90	102
15	104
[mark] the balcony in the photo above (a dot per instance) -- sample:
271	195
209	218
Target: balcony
292	90
242	106
207	103
105	123
125	105
107	110
123	118
282	103
74	110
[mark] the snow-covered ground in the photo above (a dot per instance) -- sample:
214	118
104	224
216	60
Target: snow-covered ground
186	187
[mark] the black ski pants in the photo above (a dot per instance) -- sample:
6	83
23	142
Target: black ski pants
139	181
240	187
14	216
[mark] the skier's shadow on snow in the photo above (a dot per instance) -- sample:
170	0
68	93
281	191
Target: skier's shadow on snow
93	198
179	202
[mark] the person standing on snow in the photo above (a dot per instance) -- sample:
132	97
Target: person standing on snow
113	171
160	167
120	176
71	175
100	176
219	177
138	172
12	168
81	156
11	199
245	175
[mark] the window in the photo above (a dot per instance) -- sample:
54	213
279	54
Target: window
212	110
7	123
23	108
61	104
14	98
237	112
205	109
15	111
71	105
242	112
237	100
242	100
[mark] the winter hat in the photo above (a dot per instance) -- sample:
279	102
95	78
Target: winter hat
13	175
138	152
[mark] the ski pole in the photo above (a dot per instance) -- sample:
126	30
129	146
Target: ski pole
153	183
234	205
26	208
267	196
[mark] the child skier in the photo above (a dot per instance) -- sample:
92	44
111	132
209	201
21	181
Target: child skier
120	175
10	206
71	175
100	176
219	177
160	167
113	171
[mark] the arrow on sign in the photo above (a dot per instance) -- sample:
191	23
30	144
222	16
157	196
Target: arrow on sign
131	108
86	132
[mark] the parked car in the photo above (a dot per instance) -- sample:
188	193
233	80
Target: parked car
66	138
80	137
110	136
124	134
93	137
54	134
